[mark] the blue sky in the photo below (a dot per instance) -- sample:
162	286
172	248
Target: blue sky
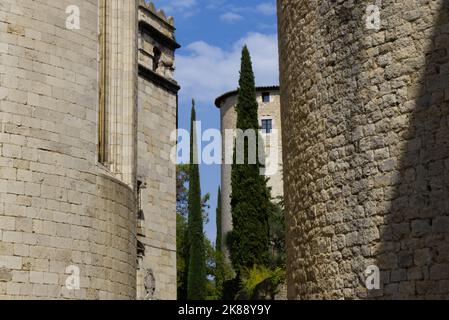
212	34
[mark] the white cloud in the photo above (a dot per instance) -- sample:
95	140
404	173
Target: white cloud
205	71
230	17
267	8
232	12
172	6
215	4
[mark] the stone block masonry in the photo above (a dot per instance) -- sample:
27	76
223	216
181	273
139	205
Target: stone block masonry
59	206
157	112
366	152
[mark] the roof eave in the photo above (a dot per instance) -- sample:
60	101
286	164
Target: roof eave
226	95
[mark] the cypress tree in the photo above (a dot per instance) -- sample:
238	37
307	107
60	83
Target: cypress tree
196	280
250	199
219	267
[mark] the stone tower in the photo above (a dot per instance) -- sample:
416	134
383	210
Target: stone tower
270	118
365	110
157	114
77	116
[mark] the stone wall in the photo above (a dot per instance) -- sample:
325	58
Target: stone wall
157	121
58	207
366	150
157	112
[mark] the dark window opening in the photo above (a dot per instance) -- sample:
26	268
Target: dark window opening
267	125
140	249
140	215
156	58
265	97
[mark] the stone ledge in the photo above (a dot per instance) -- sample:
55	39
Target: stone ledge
151	76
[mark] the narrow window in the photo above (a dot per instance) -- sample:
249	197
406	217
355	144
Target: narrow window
140	250
156	58
265	97
267	125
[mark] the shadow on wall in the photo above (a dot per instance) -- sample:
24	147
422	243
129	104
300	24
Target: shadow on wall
367	148
414	251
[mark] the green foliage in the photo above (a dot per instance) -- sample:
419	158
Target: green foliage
254	276
211	293
182	254
196	281
182	244
247	106
231	288
219	263
210	290
182	191
278	277
205	205
210	257
250	199
251	277
276	223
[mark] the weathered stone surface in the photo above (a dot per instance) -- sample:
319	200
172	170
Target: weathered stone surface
157	170
5	275
59	206
156	113
365	117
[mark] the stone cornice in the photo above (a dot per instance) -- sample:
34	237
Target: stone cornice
149	75
146	28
